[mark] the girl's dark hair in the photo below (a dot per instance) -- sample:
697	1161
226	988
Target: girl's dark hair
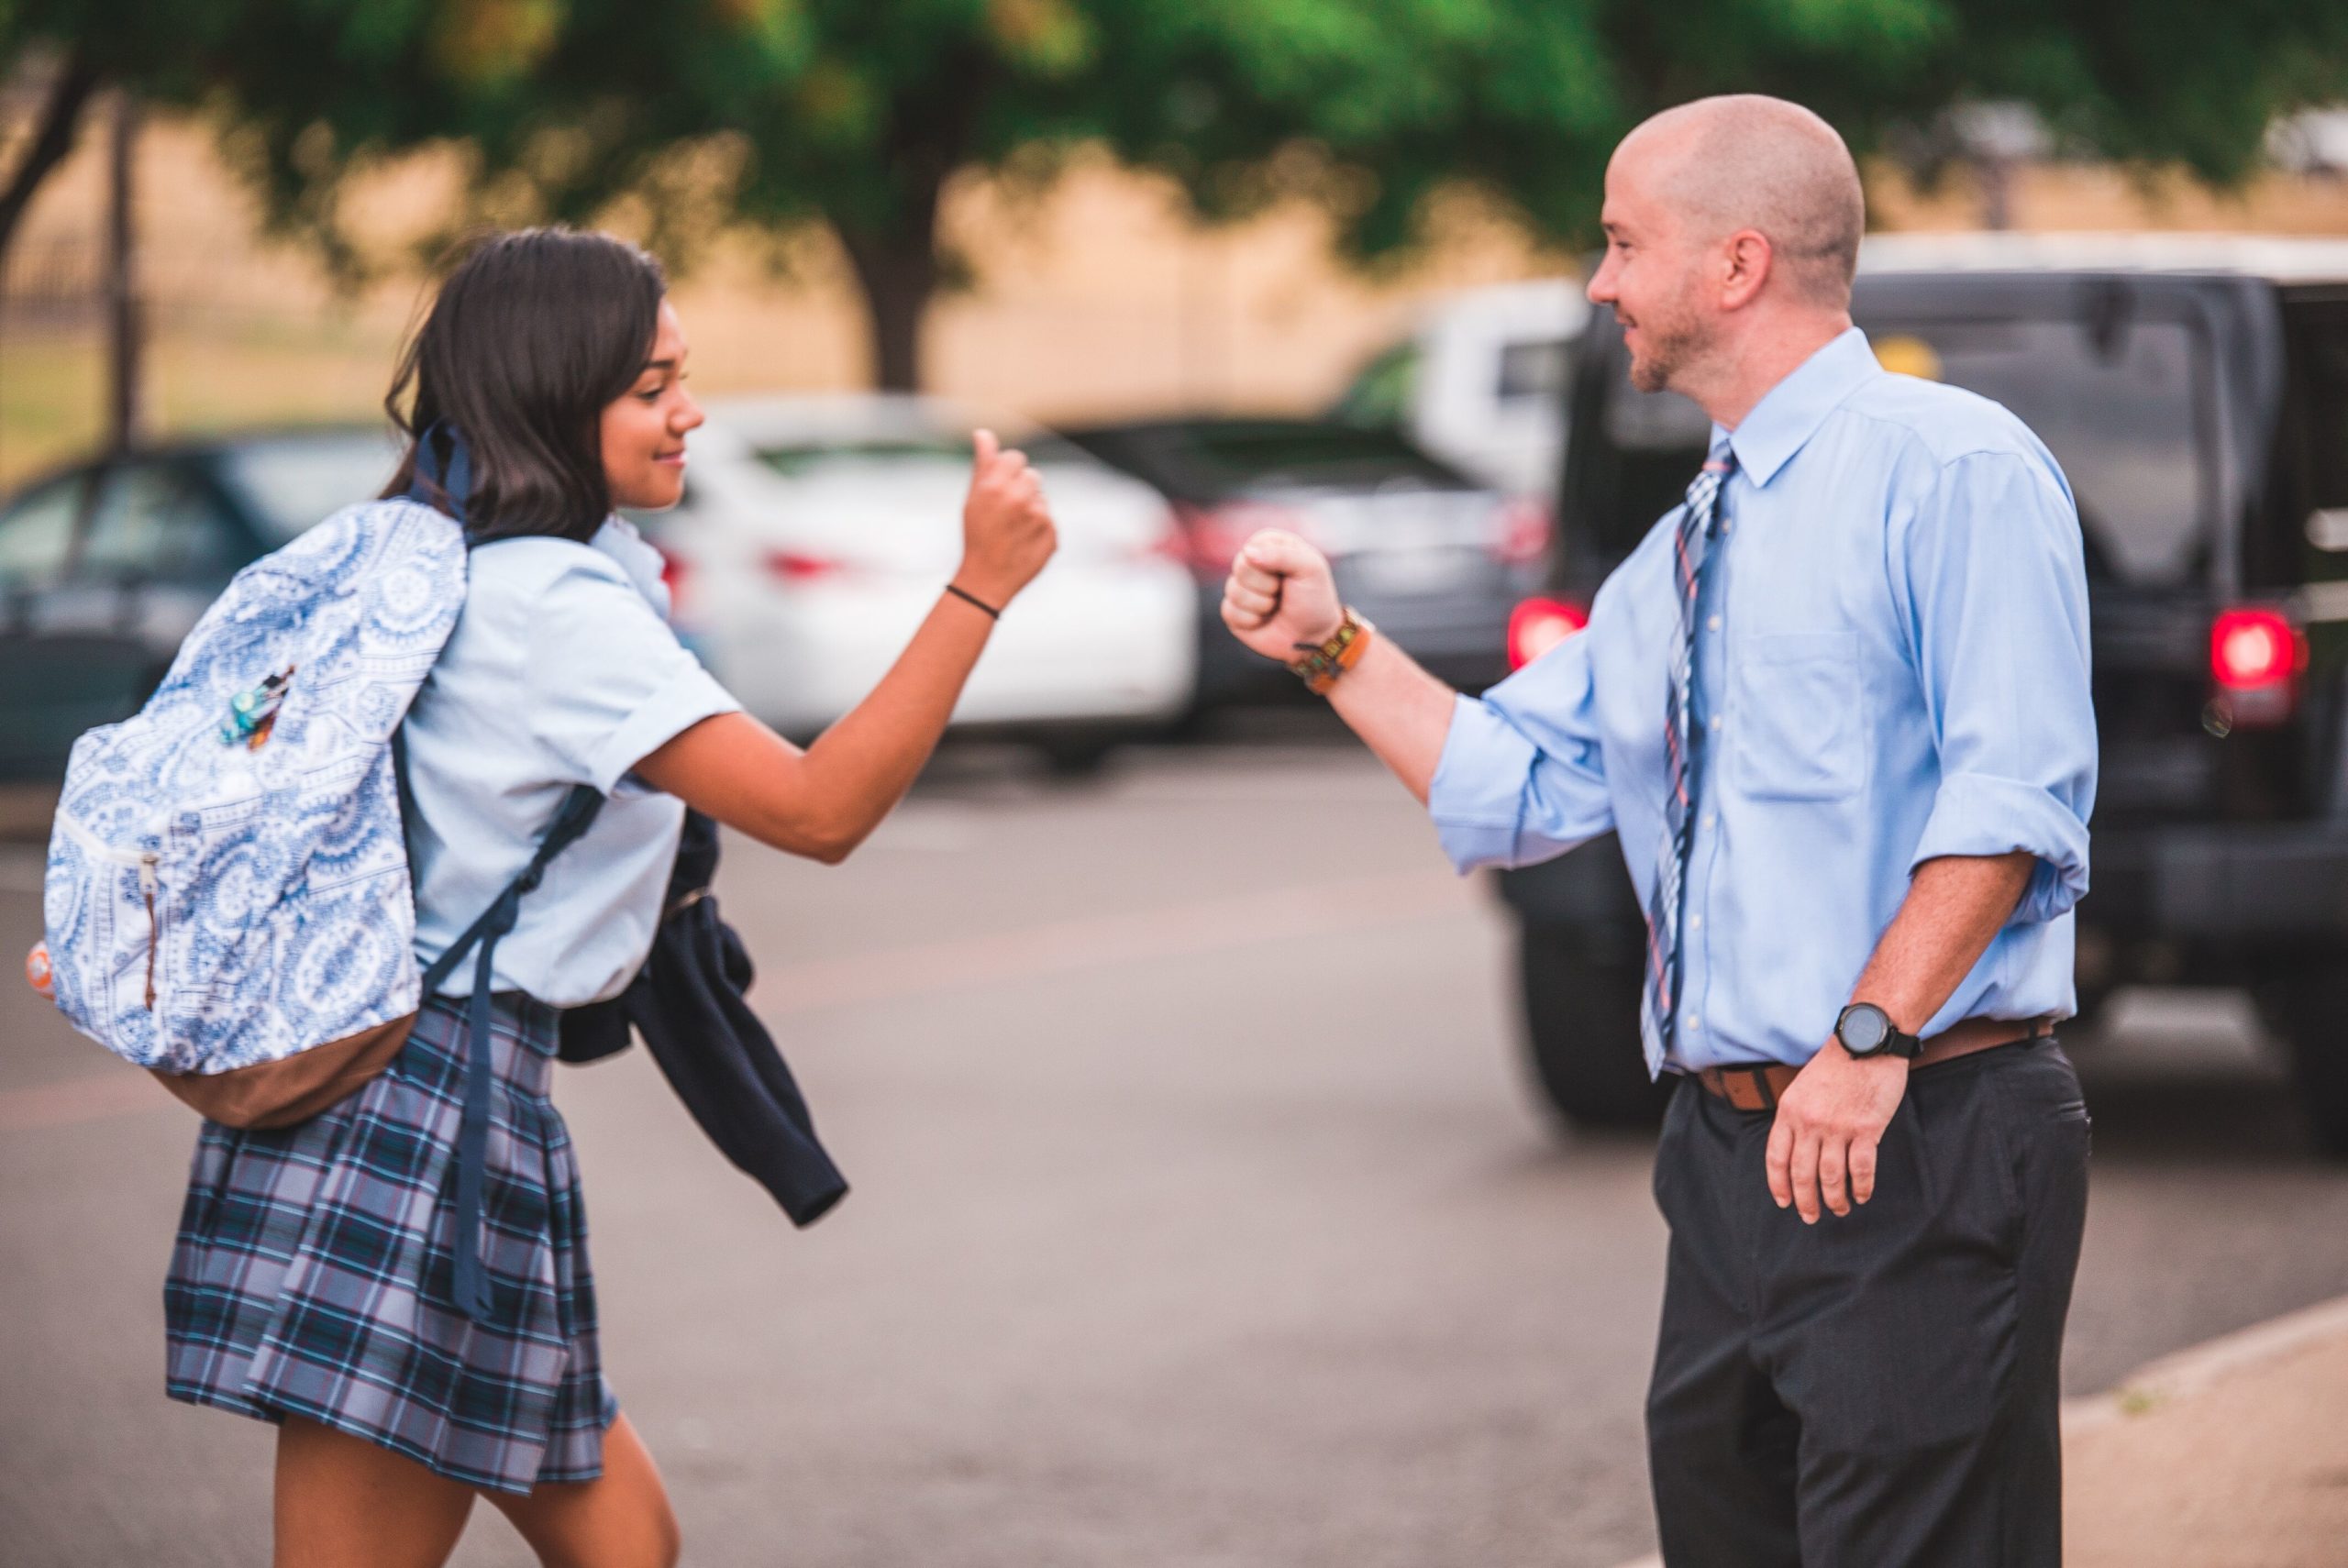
529	337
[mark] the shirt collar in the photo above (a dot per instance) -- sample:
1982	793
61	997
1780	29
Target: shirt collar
1789	414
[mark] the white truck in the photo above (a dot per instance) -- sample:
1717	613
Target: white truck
1481	381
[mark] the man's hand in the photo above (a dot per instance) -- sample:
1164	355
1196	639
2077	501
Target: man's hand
1280	594
1828	1125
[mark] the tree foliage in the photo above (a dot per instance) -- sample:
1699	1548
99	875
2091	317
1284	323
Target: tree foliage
853	114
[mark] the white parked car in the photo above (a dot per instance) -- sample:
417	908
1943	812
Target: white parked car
1481	381
817	531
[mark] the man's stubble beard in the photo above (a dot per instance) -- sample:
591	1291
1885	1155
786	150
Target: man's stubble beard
1675	339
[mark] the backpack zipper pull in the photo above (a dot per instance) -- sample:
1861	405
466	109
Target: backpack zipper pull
146	884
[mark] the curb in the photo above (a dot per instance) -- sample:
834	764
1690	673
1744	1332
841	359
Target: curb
2185	1373
2189	1371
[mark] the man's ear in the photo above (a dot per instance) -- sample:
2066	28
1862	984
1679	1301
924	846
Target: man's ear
1746	262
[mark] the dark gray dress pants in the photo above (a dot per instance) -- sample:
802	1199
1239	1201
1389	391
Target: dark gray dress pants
1880	1390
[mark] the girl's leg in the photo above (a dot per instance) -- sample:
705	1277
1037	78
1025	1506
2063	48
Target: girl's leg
621	1520
343	1502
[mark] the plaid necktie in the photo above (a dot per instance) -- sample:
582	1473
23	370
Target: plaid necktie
1698	521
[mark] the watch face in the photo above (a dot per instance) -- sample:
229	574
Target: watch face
1863	1030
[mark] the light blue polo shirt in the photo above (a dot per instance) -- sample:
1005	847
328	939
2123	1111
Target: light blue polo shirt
562	670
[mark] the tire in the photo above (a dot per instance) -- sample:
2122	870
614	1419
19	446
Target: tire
2309	1009
1581	1032
1077	756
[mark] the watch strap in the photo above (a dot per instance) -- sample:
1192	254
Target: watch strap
1319	664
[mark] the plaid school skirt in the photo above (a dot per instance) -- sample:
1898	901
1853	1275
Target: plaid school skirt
312	1273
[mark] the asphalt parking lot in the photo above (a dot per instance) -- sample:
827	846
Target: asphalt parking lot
1201	1217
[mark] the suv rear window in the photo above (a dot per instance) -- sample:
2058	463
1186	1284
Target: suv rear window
2307	539
1534	370
2116	406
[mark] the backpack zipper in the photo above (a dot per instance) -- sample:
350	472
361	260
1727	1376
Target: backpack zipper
146	860
154	922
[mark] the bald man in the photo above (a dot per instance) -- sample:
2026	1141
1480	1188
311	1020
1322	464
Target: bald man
1836	707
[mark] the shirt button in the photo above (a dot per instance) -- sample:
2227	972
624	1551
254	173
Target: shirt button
1713	624
1709	819
1695	923
1716	721
1695	1023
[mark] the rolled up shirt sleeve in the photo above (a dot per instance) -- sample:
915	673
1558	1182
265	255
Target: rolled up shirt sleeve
1522	779
1997	607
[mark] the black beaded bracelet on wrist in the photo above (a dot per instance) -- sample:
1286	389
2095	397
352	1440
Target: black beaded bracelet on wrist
969	597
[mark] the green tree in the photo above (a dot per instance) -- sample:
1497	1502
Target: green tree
67	50
854	114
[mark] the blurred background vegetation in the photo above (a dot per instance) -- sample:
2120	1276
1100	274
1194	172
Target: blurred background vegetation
1070	207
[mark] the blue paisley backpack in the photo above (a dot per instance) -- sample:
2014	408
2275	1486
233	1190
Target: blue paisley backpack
227	899
228	877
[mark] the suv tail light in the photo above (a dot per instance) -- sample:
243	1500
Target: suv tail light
1537	625
2256	654
1523	536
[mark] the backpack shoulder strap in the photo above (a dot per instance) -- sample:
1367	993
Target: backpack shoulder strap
443	480
446	483
572	819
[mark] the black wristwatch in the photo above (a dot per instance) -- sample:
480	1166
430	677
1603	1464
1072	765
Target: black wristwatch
1865	1029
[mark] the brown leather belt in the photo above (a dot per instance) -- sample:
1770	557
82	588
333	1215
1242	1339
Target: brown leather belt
1760	1087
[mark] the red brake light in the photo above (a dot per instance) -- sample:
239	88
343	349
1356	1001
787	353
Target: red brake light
796	567
2249	648
1523	537
1539	624
2256	654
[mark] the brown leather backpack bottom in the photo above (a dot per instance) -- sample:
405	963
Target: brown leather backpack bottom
279	1094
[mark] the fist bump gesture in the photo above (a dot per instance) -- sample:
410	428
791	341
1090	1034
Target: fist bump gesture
1280	596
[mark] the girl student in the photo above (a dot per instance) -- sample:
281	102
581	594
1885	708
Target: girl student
311	1282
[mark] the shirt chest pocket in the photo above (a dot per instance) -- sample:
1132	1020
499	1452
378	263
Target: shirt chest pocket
1798	724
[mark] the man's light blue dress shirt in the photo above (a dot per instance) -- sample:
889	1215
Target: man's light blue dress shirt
1899	671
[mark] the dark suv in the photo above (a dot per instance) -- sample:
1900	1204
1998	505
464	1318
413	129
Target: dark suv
2195	393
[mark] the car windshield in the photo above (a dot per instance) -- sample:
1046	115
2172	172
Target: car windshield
37	534
2116	406
292	482
1380	393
